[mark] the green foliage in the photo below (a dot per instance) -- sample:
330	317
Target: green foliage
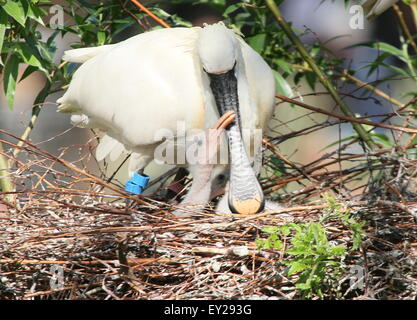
347	218
18	40
317	262
310	255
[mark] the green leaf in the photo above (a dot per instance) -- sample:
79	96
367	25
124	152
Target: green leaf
270	229
40	51
374	65
36	13
281	85
311	79
285	229
303	286
400	71
11	70
28	71
338	251
284	65
384	47
257	42
383	140
2	31
28	55
338	142
15	10
231	9
296	266
299	250
31	57
101	38
217	4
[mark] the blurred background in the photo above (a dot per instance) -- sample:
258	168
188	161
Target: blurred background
326	22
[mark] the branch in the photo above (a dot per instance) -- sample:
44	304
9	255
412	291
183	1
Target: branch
6	184
371	88
154	17
40	99
362	133
345	118
404	26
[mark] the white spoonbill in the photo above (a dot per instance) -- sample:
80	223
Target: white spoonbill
152	81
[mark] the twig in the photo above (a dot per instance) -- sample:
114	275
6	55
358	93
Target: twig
78	170
35	113
371	88
413	6
271	147
132	14
154	17
362	133
345	118
6	184
346	76
404	26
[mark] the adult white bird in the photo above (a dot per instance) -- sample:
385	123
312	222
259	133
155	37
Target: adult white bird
136	88
374	8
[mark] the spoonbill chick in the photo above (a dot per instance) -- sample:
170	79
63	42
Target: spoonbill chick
205	177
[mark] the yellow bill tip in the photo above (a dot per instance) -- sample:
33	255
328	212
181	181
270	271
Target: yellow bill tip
248	206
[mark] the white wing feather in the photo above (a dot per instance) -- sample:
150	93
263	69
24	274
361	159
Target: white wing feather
106	145
83	54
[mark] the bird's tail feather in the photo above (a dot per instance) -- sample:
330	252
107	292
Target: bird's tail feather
109	146
83	54
66	107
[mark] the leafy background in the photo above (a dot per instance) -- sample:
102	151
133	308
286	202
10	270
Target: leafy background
369	80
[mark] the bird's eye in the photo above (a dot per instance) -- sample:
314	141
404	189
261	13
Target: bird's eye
221	177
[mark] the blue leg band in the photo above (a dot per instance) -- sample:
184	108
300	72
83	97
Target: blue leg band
137	183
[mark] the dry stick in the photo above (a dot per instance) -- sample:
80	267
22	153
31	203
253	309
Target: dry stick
267	213
372	89
6	184
398	205
40	98
7	203
176	226
362	133
271	147
144	9
413	6
41	293
279	184
404	26
345	118
78	170
366	85
35	113
29	261
132	15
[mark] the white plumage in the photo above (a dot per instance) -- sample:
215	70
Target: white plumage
151	81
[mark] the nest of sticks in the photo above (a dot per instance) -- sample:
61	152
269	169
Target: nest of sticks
69	234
